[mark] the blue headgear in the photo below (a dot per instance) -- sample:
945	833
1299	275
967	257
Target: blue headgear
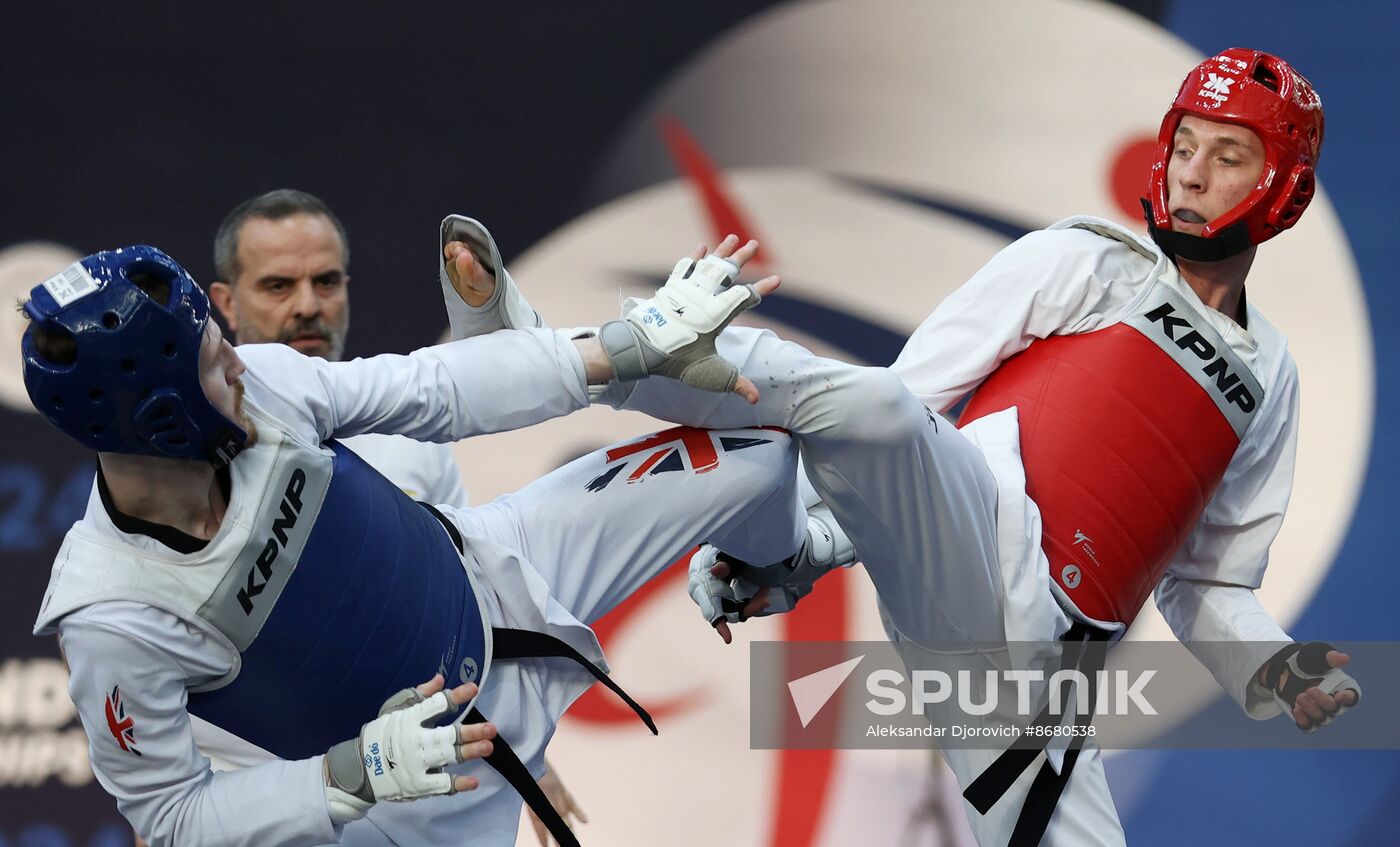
133	384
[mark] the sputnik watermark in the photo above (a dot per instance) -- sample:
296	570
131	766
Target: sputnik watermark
1120	692
814	690
1127	695
1124	696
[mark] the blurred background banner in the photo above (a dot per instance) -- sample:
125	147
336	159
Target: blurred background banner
881	150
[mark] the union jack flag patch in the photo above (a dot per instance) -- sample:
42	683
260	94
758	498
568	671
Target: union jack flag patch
681	448
123	728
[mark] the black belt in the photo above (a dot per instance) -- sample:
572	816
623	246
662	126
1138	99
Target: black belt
509	644
993	783
513	644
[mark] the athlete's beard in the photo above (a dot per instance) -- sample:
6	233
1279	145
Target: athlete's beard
240	416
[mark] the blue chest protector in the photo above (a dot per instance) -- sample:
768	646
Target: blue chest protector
377	601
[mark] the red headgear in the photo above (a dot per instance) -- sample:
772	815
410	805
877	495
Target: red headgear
1264	94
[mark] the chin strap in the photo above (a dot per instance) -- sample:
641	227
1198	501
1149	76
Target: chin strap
226	446
1234	239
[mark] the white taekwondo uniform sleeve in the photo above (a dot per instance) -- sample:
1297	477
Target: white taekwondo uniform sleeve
1049	282
162	784
502	381
1207	595
427	471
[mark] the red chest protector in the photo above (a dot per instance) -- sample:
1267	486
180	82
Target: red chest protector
1125	434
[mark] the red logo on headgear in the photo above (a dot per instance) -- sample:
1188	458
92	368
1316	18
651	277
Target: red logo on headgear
123	728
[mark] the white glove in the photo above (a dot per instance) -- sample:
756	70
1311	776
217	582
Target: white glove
398	756
673	334
712	594
824	548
